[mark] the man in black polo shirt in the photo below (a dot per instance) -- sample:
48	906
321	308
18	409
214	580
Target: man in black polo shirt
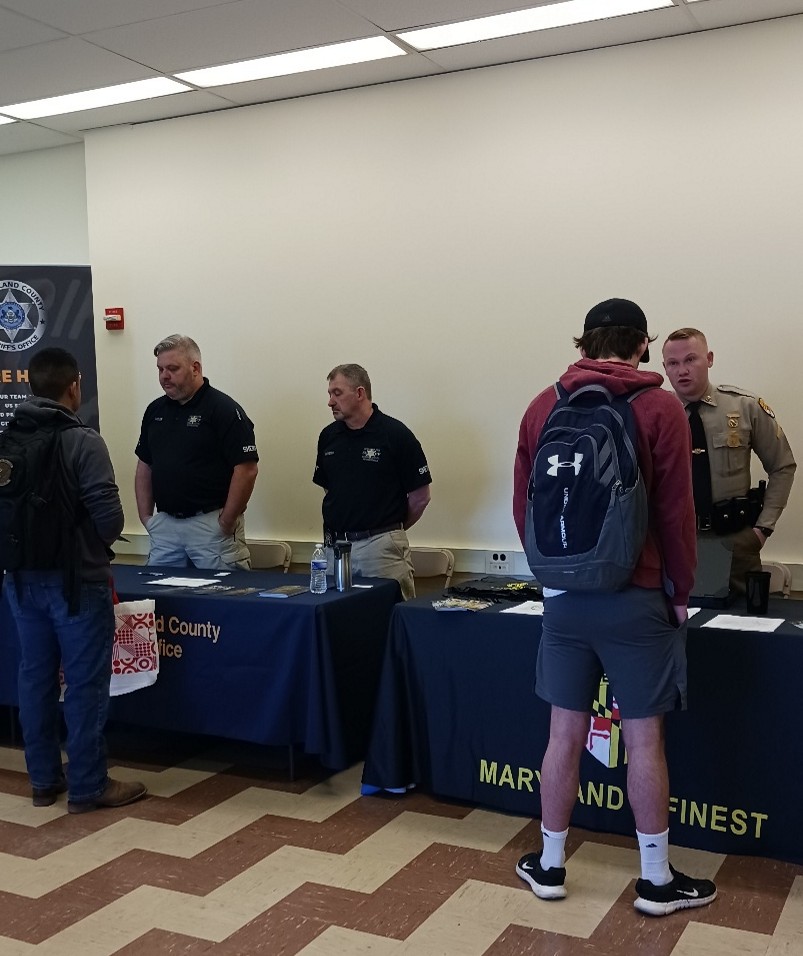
376	479
197	465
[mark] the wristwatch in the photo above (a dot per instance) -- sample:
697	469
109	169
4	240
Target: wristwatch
765	531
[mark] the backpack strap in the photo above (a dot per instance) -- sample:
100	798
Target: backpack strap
72	513
598	389
639	391
592	389
55	483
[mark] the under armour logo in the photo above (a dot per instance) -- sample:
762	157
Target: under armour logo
556	463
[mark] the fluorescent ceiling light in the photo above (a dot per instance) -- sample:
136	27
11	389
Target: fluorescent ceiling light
298	61
92	99
525	21
6	119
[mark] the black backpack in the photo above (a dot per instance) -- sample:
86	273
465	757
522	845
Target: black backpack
586	501
37	509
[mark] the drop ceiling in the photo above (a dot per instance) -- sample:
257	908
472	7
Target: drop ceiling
53	47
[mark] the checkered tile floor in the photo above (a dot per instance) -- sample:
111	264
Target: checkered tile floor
228	857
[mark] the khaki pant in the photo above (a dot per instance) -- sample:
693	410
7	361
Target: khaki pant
383	556
746	557
197	542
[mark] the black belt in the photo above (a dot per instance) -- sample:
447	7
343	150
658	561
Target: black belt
332	536
729	516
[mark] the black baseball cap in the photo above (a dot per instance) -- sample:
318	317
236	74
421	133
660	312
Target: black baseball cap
618	312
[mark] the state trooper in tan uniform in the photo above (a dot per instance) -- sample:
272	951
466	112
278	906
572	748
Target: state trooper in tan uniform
736	424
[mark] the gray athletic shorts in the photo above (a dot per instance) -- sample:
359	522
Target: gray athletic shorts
627	635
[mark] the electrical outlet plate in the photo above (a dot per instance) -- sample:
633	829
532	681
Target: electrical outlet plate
498	562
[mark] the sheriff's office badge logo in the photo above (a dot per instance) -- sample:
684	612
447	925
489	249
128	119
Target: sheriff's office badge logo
605	741
193	421
765	407
22	316
6	468
370	454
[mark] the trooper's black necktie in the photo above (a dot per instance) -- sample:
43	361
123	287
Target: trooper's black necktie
700	464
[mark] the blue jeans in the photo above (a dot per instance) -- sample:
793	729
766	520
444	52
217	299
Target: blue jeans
82	645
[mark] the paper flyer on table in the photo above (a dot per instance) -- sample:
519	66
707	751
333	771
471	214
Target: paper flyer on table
186	582
526	607
735	622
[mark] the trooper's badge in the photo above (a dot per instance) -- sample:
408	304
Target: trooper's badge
765	407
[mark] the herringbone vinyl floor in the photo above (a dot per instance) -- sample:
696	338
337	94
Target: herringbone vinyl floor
228	857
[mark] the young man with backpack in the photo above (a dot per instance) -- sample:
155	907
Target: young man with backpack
60	512
629	623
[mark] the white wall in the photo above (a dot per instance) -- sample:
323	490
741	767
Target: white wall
43	200
449	234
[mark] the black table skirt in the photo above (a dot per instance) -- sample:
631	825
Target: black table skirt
299	671
458	716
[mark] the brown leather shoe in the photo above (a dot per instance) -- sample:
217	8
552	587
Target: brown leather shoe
46	796
116	794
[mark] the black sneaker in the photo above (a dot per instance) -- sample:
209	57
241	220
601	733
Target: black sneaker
682	893
546	884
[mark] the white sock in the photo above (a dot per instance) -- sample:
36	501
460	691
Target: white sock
654	850
554	851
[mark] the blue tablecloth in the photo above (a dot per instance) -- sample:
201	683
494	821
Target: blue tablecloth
298	671
457	715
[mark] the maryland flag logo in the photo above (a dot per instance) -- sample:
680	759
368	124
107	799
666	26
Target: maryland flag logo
605	733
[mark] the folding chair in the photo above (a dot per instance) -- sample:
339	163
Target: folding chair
432	563
781	577
270	554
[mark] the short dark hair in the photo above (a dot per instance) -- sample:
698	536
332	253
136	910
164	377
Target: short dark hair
51	372
617	341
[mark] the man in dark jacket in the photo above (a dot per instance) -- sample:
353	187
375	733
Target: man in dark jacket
62	624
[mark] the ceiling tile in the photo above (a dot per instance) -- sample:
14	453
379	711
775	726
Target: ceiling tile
236	31
17	31
80	16
62	66
119	41
721	13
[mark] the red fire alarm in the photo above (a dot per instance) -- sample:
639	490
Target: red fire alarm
114	319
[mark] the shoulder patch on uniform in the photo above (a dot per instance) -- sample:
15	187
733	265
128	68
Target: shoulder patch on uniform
765	407
734	390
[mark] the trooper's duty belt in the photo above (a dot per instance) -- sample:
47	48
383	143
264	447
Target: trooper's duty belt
733	514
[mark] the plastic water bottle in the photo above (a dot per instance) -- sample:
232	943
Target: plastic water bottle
317	571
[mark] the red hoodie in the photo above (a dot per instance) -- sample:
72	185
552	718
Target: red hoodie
669	557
